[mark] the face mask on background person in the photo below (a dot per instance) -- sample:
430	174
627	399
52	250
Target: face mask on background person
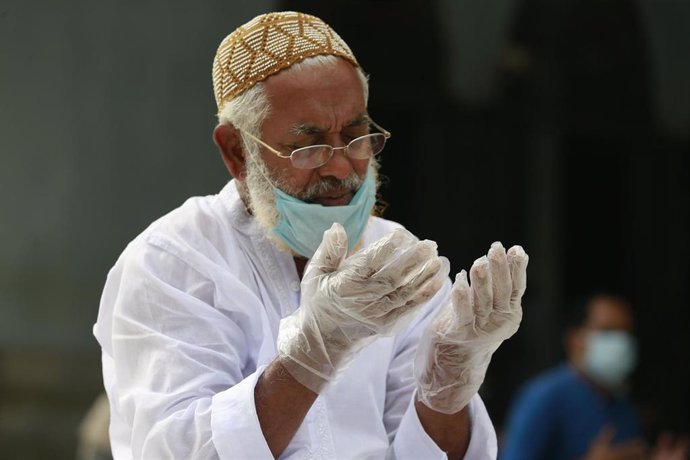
610	357
301	225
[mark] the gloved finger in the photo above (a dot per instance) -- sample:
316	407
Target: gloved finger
482	290
416	287
424	262
500	277
396	319
423	294
461	297
517	262
330	253
437	268
434	267
369	273
407	265
357	279
386	248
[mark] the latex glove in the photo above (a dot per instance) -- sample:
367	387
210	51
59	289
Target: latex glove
347	302
456	348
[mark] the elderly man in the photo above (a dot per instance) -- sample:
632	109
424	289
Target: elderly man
281	318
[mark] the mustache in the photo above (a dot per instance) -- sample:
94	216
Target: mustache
351	182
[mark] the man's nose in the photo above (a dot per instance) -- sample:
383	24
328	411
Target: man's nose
339	166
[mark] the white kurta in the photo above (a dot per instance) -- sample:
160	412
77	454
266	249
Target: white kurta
188	321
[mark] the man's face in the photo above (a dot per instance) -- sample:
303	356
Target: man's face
321	105
318	105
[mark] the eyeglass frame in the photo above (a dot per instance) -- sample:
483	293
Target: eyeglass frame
386	134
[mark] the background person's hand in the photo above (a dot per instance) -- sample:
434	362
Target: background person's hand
602	448
669	448
456	349
347	302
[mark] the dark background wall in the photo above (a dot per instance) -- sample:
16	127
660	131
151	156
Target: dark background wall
558	125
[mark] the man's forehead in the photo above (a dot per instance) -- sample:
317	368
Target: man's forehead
609	313
321	96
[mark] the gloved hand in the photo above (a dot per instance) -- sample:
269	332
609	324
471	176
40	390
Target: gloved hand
456	348
347	302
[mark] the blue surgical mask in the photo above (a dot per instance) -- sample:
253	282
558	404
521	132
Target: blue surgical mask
301	225
610	357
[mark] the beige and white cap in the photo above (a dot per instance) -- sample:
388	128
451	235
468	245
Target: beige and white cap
268	44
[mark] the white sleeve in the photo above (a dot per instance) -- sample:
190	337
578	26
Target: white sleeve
181	374
412	442
408	438
234	423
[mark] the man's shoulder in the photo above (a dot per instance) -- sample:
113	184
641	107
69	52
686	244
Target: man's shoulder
550	383
199	224
197	215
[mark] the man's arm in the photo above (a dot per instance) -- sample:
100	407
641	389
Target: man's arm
456	349
415	430
173	362
281	405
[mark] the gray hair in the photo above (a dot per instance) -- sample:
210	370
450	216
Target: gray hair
249	110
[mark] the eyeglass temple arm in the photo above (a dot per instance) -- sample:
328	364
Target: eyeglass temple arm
380	128
281	155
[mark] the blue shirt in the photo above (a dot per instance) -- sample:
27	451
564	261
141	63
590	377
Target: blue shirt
558	414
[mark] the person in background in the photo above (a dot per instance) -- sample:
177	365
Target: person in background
581	409
280	317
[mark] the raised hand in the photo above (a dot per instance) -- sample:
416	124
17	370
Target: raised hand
456	348
347	302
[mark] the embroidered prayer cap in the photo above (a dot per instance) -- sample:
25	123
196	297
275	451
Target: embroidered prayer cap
268	44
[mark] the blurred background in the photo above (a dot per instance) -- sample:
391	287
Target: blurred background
561	125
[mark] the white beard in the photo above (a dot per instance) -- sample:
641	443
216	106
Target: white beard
262	199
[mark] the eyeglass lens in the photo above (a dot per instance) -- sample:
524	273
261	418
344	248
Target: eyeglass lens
360	148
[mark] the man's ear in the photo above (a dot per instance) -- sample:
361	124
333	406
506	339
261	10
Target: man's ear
229	143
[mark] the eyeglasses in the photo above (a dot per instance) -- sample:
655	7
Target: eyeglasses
314	156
